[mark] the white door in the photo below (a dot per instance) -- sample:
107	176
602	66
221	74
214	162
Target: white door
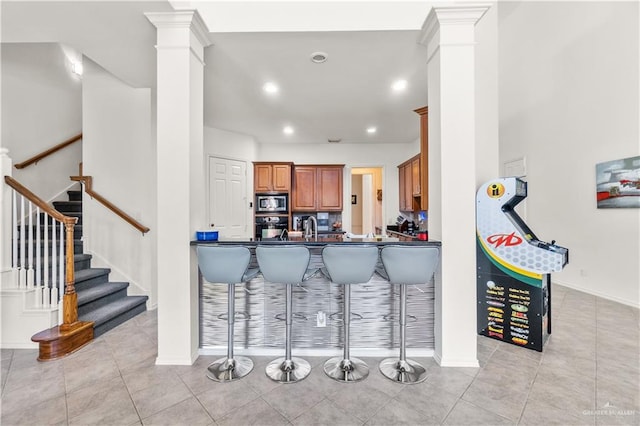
367	204
228	197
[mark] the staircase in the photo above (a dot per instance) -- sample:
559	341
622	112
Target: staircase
103	302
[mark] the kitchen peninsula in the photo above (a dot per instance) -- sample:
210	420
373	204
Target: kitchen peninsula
259	324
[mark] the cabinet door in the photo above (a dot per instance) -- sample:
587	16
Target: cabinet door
408	188
401	192
262	178
281	177
304	189
415	176
329	193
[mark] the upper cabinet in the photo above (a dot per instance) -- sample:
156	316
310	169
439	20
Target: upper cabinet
271	177
409	179
317	188
424	157
413	174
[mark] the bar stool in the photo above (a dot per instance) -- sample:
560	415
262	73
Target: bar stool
346	265
285	265
227	264
406	265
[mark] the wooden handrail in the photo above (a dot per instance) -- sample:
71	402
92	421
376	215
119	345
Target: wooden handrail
22	190
88	187
48	152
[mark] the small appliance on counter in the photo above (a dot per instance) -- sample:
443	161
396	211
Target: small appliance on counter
271	203
323	221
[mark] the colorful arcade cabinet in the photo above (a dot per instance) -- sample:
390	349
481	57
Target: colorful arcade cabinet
514	268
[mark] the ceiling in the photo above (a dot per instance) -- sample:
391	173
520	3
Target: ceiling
337	99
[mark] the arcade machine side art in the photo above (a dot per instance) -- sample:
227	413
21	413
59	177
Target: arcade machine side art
514	268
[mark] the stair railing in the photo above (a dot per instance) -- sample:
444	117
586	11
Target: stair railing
87	183
48	152
51	274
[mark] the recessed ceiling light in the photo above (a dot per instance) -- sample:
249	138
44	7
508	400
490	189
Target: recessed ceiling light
318	57
371	130
288	130
399	85
270	87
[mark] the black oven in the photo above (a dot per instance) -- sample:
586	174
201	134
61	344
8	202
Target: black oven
271	227
272	203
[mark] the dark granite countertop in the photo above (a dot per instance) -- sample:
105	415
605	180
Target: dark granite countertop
416	243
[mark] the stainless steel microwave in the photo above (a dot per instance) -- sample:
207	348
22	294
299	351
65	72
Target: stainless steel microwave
271	203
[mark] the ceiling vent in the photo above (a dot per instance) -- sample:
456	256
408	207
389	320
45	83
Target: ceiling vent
318	57
334	140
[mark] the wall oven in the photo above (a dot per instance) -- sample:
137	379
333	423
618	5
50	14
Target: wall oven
269	203
271	227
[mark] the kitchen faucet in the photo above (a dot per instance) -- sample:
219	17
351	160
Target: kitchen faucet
308	231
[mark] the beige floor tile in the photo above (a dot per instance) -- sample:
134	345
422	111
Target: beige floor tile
450	380
102	403
359	399
538	413
497	397
31	394
188	412
259	413
51	411
429	400
397	412
467	414
303	393
163	393
225	398
327	413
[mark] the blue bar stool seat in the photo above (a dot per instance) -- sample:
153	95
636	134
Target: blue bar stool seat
229	265
285	264
346	265
406	265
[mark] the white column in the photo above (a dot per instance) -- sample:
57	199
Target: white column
448	33
181	39
9	278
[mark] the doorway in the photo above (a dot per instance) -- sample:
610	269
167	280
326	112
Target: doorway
228	197
366	200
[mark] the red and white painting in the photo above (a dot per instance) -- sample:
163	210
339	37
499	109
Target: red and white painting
618	183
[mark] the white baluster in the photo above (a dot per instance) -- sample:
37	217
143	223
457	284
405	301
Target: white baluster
46	255
46	295
38	252
22	281
14	253
61	282
54	272
30	277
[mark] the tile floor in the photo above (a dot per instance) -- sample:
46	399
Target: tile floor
588	374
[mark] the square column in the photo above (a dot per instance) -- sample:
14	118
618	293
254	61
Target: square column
181	39
448	33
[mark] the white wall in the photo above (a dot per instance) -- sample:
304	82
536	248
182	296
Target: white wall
569	99
41	107
119	152
387	156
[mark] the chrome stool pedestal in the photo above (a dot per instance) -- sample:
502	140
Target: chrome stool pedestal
285	265
406	265
348	265
227	265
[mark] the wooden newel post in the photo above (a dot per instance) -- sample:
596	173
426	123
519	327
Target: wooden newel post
70	298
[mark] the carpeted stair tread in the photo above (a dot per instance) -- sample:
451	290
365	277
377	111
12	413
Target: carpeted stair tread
65	207
96	292
113	310
89	273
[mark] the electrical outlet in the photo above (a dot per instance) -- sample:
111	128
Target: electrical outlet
321	319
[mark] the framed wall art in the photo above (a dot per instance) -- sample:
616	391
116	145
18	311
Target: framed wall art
618	183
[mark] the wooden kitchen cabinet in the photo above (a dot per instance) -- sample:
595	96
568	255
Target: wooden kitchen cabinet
409	178
317	188
271	177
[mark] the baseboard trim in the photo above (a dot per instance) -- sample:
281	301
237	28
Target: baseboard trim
597	294
324	352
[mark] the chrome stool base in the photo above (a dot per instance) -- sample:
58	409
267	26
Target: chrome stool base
346	370
288	371
226	370
407	371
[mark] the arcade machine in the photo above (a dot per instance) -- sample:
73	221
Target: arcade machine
514	268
